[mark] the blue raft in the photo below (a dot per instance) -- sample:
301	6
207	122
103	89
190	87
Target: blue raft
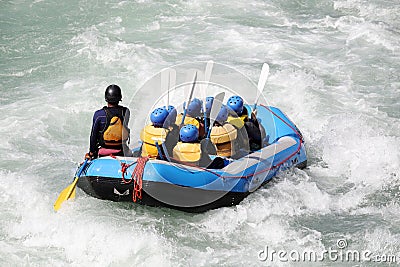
194	189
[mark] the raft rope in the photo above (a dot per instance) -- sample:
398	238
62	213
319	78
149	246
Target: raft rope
136	177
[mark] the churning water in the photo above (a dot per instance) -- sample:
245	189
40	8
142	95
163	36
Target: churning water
334	70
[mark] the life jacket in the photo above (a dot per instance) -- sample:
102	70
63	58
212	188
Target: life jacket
238	122
115	133
187	152
222	137
188	120
150	135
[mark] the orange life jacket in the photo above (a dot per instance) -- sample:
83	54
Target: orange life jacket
150	135
222	137
115	132
187	152
188	120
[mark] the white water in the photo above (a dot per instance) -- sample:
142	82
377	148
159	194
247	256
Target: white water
334	70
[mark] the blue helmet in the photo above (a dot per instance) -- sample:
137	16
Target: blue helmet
194	108
158	116
209	102
189	133
172	113
236	104
222	115
170	108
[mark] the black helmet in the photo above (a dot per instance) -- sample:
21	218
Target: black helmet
113	94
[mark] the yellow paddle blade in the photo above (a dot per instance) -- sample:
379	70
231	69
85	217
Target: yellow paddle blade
73	193
67	193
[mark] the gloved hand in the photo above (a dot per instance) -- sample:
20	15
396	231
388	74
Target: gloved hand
89	155
253	118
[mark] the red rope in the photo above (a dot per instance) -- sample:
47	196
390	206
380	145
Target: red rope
137	177
124	167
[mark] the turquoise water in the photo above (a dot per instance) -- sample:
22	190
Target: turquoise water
334	69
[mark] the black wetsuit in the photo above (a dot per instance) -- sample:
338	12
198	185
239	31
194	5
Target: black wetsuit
99	124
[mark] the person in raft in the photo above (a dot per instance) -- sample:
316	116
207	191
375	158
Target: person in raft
239	118
162	131
190	151
110	132
193	116
206	119
239	146
223	135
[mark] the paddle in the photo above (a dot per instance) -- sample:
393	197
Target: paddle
207	76
189	100
159	150
69	191
168	81
165	84
215	108
172	81
158	141
261	83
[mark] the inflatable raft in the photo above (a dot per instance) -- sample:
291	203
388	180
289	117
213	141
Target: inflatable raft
194	189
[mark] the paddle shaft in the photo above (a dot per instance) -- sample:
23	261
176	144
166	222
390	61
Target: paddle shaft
207	76
82	167
261	83
216	107
190	99
159	150
68	192
171	82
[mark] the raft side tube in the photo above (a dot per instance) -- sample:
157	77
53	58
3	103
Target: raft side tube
275	122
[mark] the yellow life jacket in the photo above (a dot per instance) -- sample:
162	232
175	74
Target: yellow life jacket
238	122
149	135
222	137
115	132
187	152
188	120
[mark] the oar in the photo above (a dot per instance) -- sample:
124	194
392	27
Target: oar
165	84
207	76
215	108
159	150
207	73
261	83
190	99
161	140
168	81
69	191
172	82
